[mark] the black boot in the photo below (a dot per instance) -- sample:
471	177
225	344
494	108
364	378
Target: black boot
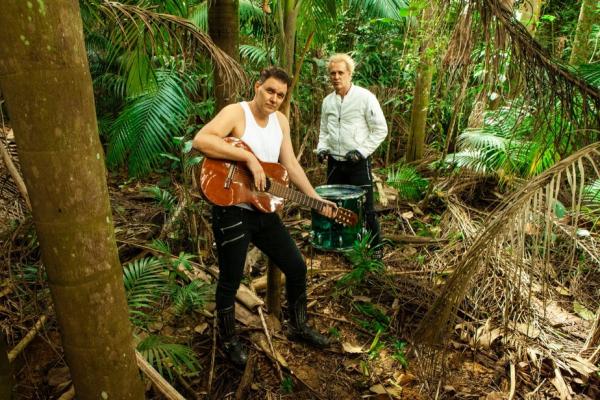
232	346
299	330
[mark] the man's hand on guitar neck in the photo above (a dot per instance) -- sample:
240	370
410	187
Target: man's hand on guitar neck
258	173
330	209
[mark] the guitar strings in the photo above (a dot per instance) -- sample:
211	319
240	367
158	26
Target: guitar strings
345	215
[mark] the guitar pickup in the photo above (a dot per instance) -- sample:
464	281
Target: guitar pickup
230	173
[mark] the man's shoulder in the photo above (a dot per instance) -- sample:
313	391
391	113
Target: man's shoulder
361	91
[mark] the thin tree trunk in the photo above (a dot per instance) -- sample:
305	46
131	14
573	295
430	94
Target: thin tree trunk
530	14
288	15
6	381
581	49
420	106
46	81
224	30
288	19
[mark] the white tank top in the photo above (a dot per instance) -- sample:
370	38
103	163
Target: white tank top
264	142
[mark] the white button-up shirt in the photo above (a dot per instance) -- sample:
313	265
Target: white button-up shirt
354	122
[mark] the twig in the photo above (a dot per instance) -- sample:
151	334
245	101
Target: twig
266	329
68	395
6	291
513	381
212	356
159	382
14	173
27	339
331	278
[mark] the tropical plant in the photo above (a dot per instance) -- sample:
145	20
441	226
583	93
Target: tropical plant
591	73
410	184
170	358
144	129
363	260
378	321
145	283
190	297
503	145
162	196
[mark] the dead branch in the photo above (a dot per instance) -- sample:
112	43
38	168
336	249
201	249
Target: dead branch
14	173
27	339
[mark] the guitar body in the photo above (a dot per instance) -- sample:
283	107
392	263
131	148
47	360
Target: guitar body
227	183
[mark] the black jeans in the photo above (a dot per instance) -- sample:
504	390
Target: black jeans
357	174
234	229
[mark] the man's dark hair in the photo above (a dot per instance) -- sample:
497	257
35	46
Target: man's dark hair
277	73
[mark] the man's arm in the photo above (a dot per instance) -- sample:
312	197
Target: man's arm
297	175
378	129
209	140
323	132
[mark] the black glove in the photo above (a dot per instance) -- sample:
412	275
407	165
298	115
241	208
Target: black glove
354	156
322	155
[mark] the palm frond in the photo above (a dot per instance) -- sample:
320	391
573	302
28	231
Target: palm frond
191	297
380	8
139	27
591	192
170	358
363	260
544	82
409	183
199	16
145	283
164	198
256	55
160	246
591	73
517	243
144	128
478	161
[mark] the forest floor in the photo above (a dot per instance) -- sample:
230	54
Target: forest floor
372	322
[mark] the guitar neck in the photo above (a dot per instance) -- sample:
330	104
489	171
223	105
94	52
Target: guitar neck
280	190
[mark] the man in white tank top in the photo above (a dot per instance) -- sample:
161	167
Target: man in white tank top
267	132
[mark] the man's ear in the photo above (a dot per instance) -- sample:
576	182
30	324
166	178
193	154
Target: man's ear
256	86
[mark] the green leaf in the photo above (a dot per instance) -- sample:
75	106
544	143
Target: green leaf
559	209
583	312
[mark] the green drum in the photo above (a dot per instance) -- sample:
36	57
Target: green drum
326	233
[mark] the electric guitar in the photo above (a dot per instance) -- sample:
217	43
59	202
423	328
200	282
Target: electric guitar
226	183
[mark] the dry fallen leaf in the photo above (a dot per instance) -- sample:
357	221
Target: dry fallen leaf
352	348
201	328
391	391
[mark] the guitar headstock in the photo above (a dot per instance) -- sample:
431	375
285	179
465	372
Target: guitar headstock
345	217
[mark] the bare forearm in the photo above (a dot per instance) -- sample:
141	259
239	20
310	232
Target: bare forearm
215	147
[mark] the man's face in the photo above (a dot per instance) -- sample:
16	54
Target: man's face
270	94
340	77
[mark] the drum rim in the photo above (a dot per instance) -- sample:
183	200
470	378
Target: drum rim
360	191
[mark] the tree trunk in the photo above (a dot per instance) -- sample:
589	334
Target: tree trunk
224	30
6	381
530	14
581	50
46	82
420	106
288	20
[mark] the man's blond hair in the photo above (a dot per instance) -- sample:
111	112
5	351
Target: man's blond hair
342	57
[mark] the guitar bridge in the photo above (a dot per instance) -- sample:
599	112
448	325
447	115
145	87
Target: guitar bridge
230	173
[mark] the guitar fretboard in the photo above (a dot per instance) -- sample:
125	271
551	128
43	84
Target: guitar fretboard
279	190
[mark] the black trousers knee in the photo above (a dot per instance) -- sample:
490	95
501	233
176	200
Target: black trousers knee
234	229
